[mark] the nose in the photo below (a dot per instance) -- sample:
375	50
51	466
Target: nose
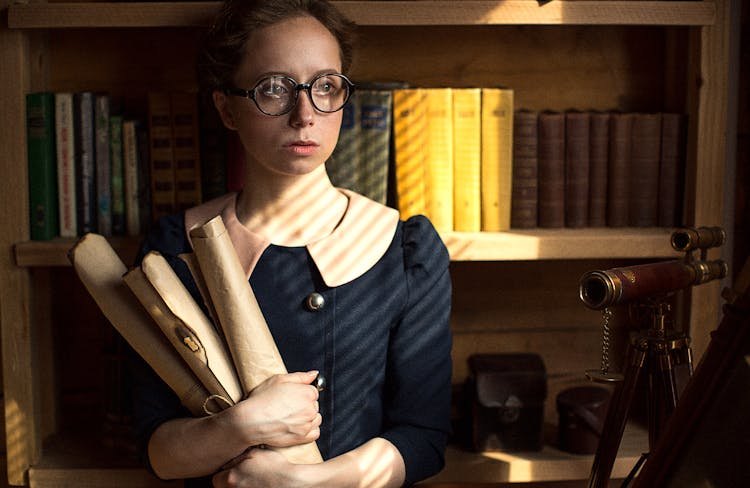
303	112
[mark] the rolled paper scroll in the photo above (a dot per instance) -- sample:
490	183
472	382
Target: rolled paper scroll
185	325
100	270
254	352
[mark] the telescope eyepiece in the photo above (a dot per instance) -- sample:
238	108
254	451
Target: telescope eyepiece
689	238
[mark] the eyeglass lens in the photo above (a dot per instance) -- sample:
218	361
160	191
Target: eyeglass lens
276	95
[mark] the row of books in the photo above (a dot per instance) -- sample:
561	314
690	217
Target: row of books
471	162
92	169
420	150
595	169
465	157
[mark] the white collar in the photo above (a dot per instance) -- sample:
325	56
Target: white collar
356	244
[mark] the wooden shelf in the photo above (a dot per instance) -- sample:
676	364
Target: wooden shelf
590	243
55	252
594	243
509	12
549	464
71	462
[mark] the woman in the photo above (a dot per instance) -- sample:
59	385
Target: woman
346	288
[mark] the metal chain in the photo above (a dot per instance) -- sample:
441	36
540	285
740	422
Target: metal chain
606	316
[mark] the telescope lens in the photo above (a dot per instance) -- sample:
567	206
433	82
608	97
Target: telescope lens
594	292
681	241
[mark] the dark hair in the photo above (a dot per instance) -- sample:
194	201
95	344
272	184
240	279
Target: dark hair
223	45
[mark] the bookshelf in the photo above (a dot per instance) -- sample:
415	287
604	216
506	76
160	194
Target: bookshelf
557	55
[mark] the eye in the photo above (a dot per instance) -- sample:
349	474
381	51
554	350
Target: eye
273	88
328	85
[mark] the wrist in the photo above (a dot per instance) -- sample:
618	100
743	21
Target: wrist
310	475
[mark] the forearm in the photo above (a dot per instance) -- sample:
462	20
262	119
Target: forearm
193	447
375	464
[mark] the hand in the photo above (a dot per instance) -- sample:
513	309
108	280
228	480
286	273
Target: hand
282	411
256	468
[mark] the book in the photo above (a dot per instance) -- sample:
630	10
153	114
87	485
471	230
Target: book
438	198
144	175
598	159
103	164
117	186
85	157
618	169
66	170
131	177
162	169
671	169
409	132
42	164
375	110
551	170
577	127
645	153
524	196
467	159
186	149
496	158
343	164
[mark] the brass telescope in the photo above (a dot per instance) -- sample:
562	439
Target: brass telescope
659	350
604	288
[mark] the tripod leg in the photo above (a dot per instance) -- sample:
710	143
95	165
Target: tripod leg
663	395
614	424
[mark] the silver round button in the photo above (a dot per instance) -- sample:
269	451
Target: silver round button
315	302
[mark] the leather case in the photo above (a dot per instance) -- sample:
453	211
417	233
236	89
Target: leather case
508	392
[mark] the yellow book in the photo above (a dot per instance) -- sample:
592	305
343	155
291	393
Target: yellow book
409	133
467	137
439	167
497	158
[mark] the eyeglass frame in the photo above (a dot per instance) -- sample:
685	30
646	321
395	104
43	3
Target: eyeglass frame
250	94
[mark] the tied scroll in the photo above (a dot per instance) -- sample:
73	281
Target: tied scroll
252	347
101	271
193	336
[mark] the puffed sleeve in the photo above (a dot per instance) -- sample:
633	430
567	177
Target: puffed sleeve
419	362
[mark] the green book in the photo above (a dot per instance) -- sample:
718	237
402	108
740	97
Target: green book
42	161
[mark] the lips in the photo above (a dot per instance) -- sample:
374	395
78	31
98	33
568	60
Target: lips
302	148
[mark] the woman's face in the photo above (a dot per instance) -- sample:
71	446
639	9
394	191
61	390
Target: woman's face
300	141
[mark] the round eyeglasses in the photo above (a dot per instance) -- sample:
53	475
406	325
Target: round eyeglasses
278	94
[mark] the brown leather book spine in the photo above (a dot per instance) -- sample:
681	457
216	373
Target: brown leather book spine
524	195
644	175
577	169
618	182
551	169
671	169
598	158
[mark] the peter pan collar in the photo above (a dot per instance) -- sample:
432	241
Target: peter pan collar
358	242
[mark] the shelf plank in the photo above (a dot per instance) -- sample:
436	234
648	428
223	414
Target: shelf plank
426	12
590	243
96	478
594	243
55	252
549	464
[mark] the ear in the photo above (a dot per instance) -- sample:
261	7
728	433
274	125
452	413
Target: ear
221	102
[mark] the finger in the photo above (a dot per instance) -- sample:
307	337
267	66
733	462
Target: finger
306	377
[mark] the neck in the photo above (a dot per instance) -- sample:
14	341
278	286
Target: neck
291	211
